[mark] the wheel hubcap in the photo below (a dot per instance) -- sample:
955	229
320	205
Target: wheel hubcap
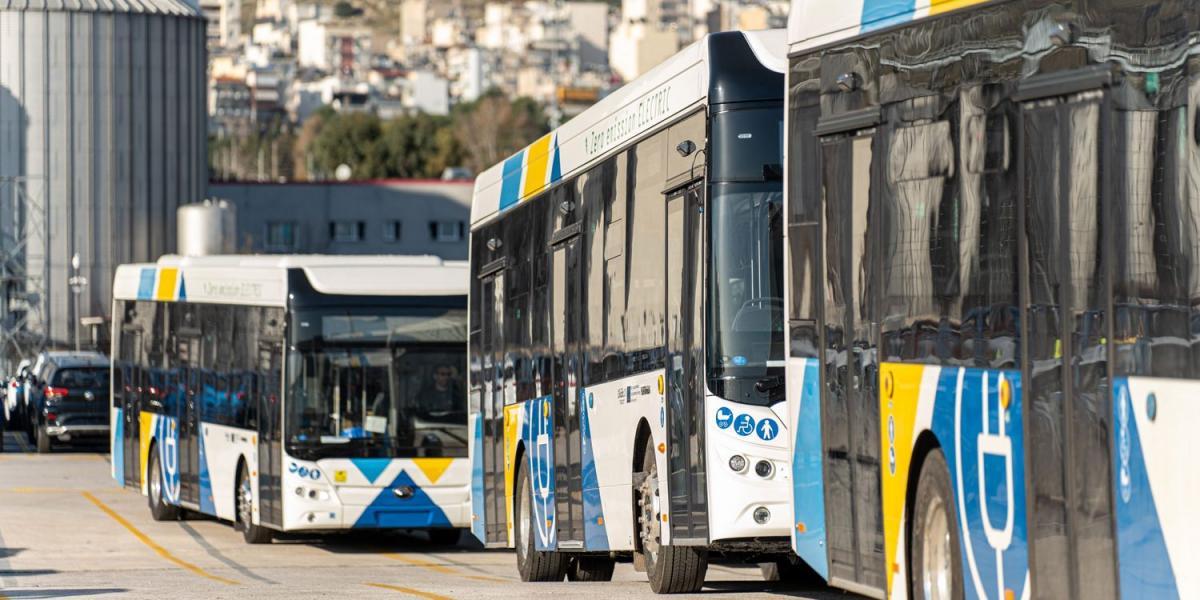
936	573
155	483
523	525
244	501
649	521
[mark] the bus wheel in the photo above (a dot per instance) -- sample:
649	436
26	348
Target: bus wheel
254	534
934	564
591	568
534	565
160	510
671	569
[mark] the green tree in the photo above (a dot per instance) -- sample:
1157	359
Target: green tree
353	139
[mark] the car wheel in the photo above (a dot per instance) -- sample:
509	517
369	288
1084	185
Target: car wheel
254	534
43	440
160	510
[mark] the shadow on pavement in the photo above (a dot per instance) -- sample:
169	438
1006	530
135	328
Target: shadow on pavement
27	572
782	589
64	593
10	552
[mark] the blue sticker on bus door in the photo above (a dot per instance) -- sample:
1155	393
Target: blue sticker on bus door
768	429
539	444
744	424
724	417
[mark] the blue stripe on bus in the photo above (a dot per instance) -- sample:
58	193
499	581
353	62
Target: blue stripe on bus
807	474
146	284
478	520
877	14
371	468
118	448
1144	564
539	426
595	534
510	187
207	505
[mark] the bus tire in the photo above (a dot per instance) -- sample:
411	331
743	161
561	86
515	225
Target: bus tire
532	564
935	569
671	569
43	440
253	534
160	510
591	568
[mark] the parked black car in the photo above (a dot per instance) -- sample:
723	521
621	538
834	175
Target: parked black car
69	398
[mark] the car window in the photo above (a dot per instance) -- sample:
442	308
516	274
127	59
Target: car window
83	378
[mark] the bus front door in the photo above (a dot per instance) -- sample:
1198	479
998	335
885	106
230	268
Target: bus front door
685	355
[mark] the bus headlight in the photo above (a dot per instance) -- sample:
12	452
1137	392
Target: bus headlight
764	468
762	515
738	463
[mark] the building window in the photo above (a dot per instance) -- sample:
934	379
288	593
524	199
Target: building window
391	231
447	231
281	235
347	231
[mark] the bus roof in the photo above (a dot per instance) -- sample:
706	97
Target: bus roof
671	89
814	23
262	279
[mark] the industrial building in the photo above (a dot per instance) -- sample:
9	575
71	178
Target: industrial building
368	217
102	136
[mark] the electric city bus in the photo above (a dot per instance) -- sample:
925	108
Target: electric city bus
626	347
993	224
294	393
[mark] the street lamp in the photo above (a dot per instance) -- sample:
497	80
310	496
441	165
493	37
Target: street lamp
78	283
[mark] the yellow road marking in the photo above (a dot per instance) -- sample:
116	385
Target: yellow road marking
145	539
409	591
442	569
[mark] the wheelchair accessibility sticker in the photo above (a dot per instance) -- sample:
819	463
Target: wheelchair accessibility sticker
744	424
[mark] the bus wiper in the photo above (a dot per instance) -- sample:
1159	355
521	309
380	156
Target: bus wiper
768	384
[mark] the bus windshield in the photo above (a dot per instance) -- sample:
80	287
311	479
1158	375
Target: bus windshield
745	317
377	382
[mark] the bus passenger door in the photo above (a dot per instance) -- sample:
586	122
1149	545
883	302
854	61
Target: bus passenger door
131	342
685	394
186	351
491	392
565	331
850	413
1068	195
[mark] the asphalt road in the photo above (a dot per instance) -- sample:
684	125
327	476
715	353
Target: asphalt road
67	530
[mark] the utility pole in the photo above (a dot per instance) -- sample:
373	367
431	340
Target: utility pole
555	112
77	283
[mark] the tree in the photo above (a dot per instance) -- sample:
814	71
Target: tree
352	139
494	127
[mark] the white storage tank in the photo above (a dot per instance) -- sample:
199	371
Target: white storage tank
208	227
102	136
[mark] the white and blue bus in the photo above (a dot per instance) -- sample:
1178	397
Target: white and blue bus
294	393
626	348
994	296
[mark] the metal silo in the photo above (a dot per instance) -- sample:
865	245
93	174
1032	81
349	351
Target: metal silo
102	136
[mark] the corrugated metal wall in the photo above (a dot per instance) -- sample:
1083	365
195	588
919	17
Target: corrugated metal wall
104	115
